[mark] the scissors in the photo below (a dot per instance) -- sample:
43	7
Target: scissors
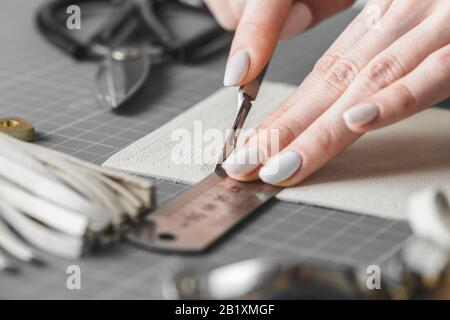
133	35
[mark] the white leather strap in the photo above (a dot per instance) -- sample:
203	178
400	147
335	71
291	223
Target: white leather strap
13	245
59	218
51	190
429	217
60	203
40	236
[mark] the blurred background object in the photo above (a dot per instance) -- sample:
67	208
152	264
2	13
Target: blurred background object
130	36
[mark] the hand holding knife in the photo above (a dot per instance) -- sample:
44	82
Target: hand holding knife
201	215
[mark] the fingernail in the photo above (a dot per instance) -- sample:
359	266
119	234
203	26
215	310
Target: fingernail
236	69
281	167
361	114
242	161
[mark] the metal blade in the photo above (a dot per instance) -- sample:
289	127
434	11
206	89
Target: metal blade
230	143
247	94
121	75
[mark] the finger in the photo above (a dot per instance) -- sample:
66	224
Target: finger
403	60
307	13
329	135
223	13
405	97
298	20
336	70
357	29
330	78
323	9
323	140
237	8
256	36
398	60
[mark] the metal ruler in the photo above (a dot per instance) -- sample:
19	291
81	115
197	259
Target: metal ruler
205	212
202	214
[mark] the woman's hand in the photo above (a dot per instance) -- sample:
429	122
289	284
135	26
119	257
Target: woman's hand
392	61
260	24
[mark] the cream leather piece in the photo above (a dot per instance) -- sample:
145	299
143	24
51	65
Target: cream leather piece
375	176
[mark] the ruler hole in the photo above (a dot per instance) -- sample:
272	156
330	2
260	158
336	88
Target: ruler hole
166	236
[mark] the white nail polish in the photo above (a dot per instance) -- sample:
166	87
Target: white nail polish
361	114
236	69
242	161
281	167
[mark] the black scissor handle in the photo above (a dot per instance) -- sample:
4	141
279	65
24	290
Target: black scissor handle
117	27
194	47
153	23
125	21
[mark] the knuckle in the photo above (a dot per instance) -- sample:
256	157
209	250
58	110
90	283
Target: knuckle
287	132
259	28
344	71
341	74
325	63
406	98
384	71
441	59
325	139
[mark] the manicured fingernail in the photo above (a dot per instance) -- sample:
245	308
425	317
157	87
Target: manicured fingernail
242	161
361	114
236	69
281	167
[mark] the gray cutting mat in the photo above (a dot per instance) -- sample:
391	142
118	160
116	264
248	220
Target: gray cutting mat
40	84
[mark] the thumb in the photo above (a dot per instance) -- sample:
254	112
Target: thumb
255	39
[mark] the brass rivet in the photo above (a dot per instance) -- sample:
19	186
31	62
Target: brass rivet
18	128
9	123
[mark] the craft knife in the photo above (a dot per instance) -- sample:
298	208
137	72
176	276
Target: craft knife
207	211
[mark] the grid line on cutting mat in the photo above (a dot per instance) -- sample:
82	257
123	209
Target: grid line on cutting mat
57	96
